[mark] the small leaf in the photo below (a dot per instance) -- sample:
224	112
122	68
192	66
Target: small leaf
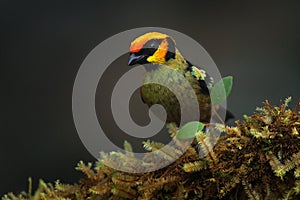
189	130
221	90
267	148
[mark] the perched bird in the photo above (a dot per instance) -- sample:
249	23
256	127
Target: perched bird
158	50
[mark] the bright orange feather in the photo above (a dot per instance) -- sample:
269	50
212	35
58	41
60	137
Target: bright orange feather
139	42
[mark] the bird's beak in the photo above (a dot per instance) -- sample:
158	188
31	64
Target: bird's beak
134	59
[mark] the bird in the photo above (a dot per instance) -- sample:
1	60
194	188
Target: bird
159	54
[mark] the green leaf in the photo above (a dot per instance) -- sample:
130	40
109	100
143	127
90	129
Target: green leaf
221	90
189	130
267	148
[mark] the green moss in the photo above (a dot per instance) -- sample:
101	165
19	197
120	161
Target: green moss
257	159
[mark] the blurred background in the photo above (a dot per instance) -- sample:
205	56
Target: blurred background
43	44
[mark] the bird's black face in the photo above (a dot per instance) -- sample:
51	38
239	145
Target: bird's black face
148	49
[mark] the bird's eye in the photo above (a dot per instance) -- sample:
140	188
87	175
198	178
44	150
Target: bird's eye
147	51
153	44
150	47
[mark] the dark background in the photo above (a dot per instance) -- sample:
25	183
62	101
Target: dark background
43	44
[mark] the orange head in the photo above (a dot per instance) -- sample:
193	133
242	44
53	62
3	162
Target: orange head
152	47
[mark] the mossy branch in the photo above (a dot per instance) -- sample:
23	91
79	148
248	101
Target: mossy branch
257	159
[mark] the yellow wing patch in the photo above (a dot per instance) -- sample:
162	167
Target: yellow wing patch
198	73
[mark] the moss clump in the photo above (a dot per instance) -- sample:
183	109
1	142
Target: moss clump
257	159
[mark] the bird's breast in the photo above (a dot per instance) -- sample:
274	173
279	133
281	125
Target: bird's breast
168	87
